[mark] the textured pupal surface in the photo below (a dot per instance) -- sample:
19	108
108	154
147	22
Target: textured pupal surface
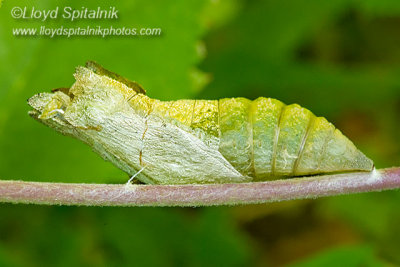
99	111
194	141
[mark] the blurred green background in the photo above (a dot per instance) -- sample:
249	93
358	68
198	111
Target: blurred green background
340	59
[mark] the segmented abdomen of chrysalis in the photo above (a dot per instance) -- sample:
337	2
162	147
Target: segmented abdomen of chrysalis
265	138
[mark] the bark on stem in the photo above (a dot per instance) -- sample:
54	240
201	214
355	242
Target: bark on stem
197	195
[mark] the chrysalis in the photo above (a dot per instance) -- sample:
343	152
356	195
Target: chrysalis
194	141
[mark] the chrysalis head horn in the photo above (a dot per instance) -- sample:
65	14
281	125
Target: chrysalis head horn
98	69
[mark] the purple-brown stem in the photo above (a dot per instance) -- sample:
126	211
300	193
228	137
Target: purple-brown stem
197	195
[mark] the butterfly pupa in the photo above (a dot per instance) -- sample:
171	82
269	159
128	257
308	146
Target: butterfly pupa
194	141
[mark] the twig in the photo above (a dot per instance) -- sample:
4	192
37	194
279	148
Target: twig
197	195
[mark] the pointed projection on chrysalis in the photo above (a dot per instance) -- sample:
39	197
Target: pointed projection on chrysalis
194	141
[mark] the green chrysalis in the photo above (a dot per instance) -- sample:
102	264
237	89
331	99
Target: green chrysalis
194	141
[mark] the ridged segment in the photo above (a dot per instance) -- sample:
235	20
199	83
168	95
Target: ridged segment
314	147
293	128
303	144
265	119
236	140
